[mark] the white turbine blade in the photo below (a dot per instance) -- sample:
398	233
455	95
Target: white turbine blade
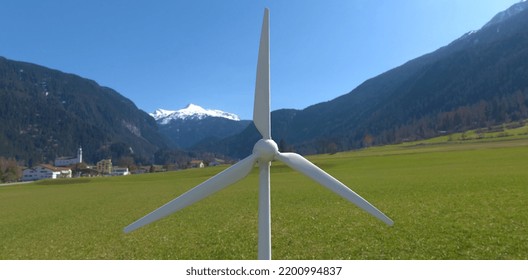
264	213
261	109
309	169
214	184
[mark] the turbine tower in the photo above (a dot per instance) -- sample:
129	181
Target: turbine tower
264	152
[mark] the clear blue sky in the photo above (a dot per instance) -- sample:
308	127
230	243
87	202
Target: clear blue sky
166	54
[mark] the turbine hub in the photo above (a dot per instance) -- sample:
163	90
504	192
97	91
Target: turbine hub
265	149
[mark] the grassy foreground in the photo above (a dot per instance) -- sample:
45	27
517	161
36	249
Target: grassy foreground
448	200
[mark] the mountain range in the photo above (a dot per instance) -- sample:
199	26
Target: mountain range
191	125
191	111
478	80
46	113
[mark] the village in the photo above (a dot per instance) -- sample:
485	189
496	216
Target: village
68	167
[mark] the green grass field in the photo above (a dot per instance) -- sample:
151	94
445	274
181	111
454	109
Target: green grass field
449	200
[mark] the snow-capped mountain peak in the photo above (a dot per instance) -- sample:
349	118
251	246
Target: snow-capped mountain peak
191	111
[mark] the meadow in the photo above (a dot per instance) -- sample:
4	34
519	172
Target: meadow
449	199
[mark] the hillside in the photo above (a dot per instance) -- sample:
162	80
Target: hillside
45	113
480	79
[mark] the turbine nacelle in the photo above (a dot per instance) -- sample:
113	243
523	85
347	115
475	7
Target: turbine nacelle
265	150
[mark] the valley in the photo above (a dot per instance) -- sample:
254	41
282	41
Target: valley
450	199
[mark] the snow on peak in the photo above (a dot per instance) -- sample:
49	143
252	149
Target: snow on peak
191	111
161	113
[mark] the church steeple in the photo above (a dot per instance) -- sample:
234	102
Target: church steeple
79	154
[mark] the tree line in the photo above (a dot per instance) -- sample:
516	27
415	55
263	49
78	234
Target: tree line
484	113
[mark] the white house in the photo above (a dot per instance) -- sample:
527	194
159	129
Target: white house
45	171
197	164
120	171
67	161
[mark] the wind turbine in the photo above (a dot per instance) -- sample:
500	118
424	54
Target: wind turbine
264	151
